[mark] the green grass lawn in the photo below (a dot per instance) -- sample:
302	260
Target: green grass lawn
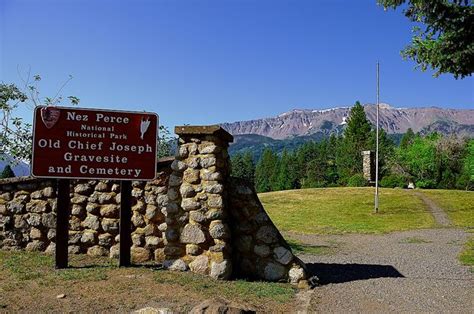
345	210
459	205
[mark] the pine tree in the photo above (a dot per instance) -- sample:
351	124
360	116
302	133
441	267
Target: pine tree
266	172
286	176
248	167
356	139
315	168
303	156
332	174
237	165
7	172
243	166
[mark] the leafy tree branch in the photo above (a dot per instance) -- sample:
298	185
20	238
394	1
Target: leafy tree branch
446	43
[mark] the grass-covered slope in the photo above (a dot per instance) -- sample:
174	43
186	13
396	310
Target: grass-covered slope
346	210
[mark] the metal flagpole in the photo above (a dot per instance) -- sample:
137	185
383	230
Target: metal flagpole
377	148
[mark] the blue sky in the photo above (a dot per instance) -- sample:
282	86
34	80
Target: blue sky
204	62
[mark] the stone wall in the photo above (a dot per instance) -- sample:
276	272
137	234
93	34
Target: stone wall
193	216
28	216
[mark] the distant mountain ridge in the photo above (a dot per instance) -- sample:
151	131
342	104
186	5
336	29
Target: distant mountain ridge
306	122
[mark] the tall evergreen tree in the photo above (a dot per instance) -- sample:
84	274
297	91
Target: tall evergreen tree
356	139
237	165
7	172
304	155
266	172
315	173
332	173
287	175
248	167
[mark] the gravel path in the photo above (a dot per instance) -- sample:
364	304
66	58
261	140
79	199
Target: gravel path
439	215
411	271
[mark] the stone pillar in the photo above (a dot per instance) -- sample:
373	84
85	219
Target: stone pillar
197	235
368	165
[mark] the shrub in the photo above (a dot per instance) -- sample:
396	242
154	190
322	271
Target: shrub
357	180
425	184
393	181
464	182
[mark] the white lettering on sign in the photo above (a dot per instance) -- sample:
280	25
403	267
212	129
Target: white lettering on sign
88	143
59	169
73	144
77	117
49	143
131	148
99	117
91	158
109	171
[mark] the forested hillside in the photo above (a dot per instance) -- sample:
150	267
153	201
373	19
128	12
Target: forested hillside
429	160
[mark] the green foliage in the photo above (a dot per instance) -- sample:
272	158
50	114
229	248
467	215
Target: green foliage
356	139
418	159
446	44
165	141
16	135
425	184
450	153
393	181
357	180
7	172
466	180
317	163
407	138
266	172
386	149
287	176
432	161
243	166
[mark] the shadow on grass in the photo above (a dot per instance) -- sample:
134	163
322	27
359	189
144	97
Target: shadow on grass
339	273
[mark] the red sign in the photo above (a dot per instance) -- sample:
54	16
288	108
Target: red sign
81	143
